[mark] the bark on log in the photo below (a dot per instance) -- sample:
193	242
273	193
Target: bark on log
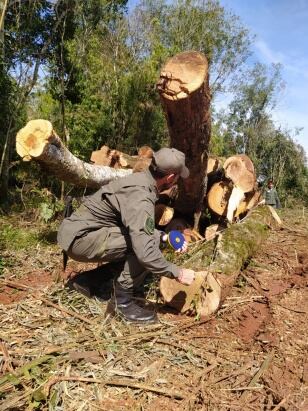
218	263
185	97
39	142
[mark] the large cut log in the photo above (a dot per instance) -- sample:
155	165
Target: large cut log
235	193
38	141
240	170
218	263
185	97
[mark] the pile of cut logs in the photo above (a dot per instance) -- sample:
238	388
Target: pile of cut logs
232	189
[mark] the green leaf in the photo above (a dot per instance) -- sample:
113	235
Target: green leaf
46	212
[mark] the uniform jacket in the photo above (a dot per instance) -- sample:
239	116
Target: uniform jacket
271	197
128	203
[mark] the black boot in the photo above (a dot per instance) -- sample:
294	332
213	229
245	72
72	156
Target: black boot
123	304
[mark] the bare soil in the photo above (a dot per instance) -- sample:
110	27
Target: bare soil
251	355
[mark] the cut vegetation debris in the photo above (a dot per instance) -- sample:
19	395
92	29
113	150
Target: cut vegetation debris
58	351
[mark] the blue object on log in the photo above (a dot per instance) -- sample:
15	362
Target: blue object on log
176	239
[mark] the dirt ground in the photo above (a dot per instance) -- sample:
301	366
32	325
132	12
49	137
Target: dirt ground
59	352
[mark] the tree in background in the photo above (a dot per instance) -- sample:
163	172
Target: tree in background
26	32
91	68
247	127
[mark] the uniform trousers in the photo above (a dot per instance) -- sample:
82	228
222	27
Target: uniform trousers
111	244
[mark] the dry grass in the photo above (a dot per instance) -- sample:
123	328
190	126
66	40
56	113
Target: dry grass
68	356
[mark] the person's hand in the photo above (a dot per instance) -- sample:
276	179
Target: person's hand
164	237
183	249
186	276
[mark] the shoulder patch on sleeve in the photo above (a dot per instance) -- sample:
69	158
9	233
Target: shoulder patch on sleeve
149	225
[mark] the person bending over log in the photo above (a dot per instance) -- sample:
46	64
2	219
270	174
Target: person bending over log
117	223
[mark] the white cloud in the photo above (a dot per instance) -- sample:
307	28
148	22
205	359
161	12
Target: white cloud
291	119
299	66
267	54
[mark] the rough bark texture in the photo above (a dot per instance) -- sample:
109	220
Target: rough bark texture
185	97
223	258
39	142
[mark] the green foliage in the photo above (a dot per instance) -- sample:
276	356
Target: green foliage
247	127
101	65
46	212
13	238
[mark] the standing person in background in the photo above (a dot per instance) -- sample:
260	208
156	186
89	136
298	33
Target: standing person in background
271	196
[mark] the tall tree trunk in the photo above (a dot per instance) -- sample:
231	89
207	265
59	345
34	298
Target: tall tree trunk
185	97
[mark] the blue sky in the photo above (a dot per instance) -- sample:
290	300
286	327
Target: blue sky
281	30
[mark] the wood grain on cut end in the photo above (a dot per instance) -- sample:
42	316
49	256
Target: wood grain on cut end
181	297
163	214
218	197
182	75
31	140
240	170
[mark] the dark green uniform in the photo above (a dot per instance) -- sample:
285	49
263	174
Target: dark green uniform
271	197
117	223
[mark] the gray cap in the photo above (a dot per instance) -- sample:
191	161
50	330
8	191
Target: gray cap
171	160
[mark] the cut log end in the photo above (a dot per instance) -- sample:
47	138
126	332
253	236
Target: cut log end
218	197
182	75
163	214
183	297
240	170
213	164
31	140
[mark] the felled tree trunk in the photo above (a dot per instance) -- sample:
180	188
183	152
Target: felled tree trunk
185	97
218	263
39	142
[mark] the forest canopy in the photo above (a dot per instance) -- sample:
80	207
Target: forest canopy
90	67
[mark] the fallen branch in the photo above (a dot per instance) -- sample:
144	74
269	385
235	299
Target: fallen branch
258	375
117	383
293	310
